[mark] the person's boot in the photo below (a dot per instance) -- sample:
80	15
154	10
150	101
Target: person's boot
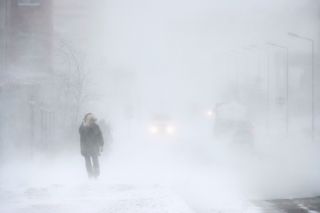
96	172
90	176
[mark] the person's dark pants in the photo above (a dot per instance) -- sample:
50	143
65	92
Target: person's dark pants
92	165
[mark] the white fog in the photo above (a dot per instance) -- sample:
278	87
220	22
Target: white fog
123	106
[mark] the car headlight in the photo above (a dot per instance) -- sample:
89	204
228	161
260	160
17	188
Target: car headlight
154	129
170	129
210	114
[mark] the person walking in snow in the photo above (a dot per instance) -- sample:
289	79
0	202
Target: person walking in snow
91	144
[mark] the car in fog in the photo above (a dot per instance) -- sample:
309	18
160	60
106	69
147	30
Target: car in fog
232	123
162	125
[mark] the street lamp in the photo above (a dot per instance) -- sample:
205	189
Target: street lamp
294	35
287	79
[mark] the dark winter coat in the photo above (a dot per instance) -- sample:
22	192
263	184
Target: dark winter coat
91	140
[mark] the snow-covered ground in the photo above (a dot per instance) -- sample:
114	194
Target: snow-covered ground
64	187
61	185
95	196
92	196
155	181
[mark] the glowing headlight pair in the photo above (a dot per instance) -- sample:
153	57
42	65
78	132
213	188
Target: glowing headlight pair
166	129
170	129
210	114
154	129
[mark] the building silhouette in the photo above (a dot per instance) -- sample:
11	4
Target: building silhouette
25	66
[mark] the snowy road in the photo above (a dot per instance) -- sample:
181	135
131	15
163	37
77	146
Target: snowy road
61	186
97	197
91	197
303	205
57	189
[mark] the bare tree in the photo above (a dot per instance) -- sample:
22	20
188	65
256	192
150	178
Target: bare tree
74	78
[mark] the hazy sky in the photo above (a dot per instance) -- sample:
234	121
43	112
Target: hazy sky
177	48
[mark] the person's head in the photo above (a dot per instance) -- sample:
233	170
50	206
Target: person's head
89	119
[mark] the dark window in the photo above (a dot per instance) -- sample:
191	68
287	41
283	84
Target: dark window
28	2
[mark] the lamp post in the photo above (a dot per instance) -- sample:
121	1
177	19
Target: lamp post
294	35
5	36
287	80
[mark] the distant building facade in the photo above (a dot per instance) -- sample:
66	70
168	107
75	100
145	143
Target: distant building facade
26	63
